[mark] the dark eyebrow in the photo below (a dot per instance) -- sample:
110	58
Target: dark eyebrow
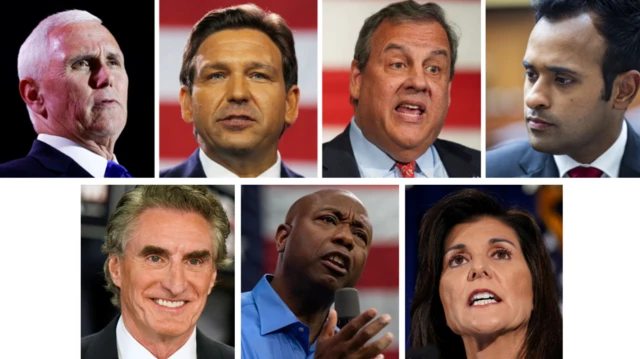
453	248
250	66
392	46
201	254
147	250
341	215
501	240
555	69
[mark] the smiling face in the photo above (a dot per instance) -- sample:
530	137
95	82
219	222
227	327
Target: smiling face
239	103
485	286
85	84
564	109
166	274
327	239
403	92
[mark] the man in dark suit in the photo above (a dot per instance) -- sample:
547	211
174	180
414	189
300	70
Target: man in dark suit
164	246
73	81
582	73
239	90
400	90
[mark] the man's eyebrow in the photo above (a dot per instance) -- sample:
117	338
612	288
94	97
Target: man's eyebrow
403	48
555	69
148	250
341	215
253	65
200	254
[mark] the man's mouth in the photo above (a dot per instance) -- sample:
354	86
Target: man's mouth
170	303
410	109
484	297
337	262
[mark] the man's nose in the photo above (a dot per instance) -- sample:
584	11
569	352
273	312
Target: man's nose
102	76
536	97
343	236
237	89
175	280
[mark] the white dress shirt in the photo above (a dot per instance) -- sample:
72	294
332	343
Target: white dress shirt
608	162
129	348
91	162
214	170
375	163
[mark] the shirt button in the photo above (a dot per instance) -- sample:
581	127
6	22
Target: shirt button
301	329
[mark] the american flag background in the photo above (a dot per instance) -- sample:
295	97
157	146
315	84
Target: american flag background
265	207
299	144
341	23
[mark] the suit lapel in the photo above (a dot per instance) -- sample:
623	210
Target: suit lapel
56	161
454	165
630	164
538	164
338	159
194	166
104	344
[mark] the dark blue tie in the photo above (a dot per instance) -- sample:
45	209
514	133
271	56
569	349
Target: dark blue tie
114	170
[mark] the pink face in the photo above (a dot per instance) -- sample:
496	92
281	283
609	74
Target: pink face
166	274
486	285
403	91
85	84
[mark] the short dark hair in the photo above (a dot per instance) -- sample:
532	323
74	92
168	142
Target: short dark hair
247	16
404	11
618	21
428	322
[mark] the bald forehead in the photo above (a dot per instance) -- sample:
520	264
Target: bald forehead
327	197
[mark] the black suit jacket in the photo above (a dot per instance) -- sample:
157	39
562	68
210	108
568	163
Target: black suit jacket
43	161
338	159
102	345
193	168
518	159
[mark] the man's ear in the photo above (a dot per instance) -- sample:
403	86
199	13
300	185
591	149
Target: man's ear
213	280
115	269
31	95
186	104
625	89
293	100
282	234
355	80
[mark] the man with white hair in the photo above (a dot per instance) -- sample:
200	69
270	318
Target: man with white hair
74	83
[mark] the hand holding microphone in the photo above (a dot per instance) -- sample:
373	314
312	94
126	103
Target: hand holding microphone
355	330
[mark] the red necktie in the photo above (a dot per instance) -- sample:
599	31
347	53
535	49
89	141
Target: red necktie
584	172
407	169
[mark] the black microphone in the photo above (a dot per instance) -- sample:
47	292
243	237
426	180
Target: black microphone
347	305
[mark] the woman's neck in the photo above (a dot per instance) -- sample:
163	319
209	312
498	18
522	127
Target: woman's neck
502	346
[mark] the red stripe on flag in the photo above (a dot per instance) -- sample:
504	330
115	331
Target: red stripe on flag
299	142
301	15
463	112
381	270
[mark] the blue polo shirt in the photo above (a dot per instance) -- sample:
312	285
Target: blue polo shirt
270	330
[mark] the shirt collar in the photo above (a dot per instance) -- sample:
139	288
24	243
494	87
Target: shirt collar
129	348
214	170
373	162
91	162
608	162
273	312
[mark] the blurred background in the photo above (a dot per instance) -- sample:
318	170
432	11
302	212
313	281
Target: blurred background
265	207
342	21
98	202
543	202
299	144
509	23
135	146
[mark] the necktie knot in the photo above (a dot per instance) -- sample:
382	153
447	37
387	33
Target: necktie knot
115	170
407	169
584	172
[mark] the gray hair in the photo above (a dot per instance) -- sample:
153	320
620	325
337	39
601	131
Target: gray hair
404	11
196	199
32	57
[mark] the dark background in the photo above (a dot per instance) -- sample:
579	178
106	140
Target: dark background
132	24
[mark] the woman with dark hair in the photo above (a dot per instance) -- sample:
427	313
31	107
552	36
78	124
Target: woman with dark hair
485	287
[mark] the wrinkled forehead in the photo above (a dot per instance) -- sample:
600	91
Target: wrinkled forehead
87	36
343	201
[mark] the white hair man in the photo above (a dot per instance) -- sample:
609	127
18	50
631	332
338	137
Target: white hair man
74	83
